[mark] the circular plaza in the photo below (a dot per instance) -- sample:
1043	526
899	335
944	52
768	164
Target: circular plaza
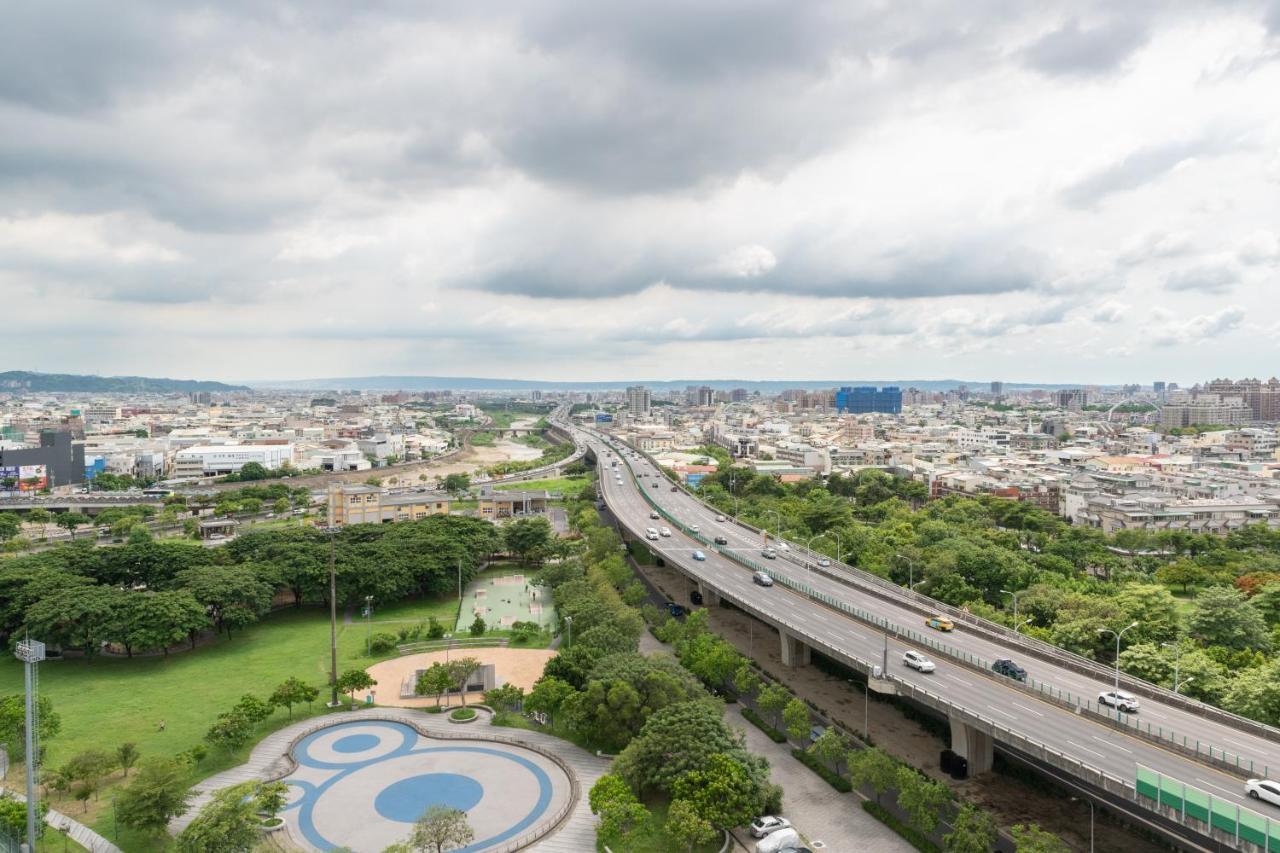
361	785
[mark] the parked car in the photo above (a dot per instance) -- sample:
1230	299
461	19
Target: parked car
816	732
918	662
722	540
1261	789
674	609
1119	700
940	623
698	555
761	579
762	826
779	841
1009	669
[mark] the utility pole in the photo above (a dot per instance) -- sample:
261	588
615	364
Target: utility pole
368	624
31	652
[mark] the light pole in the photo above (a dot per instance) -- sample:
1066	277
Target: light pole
1187	680
1090	802
1018	627
459	580
1015	600
568	624
777	530
1118	634
1177	661
911	569
368	624
333	616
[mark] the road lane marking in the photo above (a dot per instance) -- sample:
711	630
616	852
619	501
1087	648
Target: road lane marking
1217	787
1025	708
998	711
1113	745
1086	749
955	679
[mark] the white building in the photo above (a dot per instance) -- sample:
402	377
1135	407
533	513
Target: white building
211	460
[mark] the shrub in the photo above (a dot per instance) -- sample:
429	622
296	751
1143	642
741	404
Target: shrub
478	627
913	837
435	630
774	735
835	780
382	643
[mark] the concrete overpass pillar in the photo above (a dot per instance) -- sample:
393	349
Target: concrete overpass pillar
972	744
794	651
710	598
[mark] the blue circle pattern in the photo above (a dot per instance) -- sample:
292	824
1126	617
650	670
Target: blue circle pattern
355	743
403	801
312	793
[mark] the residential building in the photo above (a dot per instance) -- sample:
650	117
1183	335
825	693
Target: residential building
358	504
1262	398
638	401
865	399
1205	409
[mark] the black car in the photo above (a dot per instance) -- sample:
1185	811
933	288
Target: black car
1009	669
722	540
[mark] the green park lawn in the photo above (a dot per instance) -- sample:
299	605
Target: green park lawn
563	485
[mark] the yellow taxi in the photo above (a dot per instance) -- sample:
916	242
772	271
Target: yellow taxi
940	623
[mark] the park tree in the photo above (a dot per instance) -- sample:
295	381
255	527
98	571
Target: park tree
69	521
1224	617
293	691
158	620
253	471
621	814
972	831
1183	573
462	669
227	823
456	484
229	731
158	793
1030	838
13	723
13	817
10	524
548	696
354	680
874	768
680	738
234	596
435	680
529	539
722	792
508	697
687	827
253	709
126	756
1267	602
772	699
271	798
86	770
478	627
1154	609
82	617
441	828
1255	693
42	517
830	748
923	799
796	719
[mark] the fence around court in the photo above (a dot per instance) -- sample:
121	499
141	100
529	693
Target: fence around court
456	643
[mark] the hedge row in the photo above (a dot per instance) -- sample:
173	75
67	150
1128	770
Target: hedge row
912	836
835	780
774	735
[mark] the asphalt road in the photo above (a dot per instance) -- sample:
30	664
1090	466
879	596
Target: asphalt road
1091	741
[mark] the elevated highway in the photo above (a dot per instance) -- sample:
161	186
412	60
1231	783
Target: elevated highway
1053	719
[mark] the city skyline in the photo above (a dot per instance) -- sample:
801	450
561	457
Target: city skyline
1065	193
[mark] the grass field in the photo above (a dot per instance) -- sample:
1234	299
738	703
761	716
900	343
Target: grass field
563	485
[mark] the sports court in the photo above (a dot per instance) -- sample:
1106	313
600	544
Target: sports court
504	598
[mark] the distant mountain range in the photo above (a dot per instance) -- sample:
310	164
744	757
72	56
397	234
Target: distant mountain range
473	383
28	381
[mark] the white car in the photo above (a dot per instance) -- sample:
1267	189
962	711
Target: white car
918	662
666	531
1263	789
693	528
824	562
721	518
762	826
1119	700
783	546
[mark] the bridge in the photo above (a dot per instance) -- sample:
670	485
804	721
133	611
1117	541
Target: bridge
1052	721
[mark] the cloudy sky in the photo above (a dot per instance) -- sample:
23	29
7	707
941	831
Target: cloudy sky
1042	191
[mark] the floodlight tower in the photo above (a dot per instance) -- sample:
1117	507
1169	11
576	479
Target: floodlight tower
31	652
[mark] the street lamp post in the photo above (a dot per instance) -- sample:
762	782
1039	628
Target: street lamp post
1118	635
1015	600
459	580
1187	680
911	569
333	616
1028	621
778	529
368	624
1177	662
1090	802
568	624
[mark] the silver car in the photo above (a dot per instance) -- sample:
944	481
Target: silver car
1119	700
918	662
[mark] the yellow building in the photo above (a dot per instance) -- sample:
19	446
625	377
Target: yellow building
355	504
511	504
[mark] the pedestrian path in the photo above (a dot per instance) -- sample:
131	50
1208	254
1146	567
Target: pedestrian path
79	833
268	760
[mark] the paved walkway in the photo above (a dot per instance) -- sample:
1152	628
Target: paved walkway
80	834
575	834
819	812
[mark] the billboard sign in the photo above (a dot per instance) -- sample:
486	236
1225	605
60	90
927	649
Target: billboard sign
604	419
33	478
9	477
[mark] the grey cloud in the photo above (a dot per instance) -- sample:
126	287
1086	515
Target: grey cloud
1099	49
1206	278
1198	328
1136	169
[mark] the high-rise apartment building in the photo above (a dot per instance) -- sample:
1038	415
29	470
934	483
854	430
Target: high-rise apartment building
639	401
1072	399
865	399
997	389
1205	409
739	395
1262	398
706	396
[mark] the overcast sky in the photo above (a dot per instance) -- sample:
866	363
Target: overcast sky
1037	191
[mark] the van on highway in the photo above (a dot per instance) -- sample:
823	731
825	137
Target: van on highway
651	533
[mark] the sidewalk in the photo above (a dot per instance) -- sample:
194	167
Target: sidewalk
80	834
820	813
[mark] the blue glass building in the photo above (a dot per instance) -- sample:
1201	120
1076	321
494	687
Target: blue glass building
866	399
